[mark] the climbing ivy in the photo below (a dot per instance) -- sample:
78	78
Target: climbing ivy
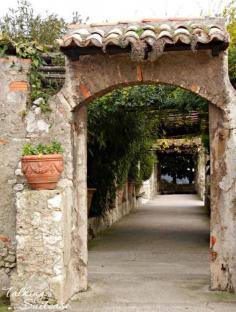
28	35
34	52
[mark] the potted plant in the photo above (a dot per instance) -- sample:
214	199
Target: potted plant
42	165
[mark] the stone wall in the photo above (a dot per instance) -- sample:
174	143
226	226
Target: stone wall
45	233
21	124
200	173
170	188
149	187
13	98
122	207
7	262
43	244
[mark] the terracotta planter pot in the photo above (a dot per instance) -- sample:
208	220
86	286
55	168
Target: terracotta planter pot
42	171
91	191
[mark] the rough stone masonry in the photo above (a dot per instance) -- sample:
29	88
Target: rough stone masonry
50	227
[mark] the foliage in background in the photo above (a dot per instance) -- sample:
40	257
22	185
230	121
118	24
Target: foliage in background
30	35
22	25
42	149
230	16
178	166
146	165
118	135
122	127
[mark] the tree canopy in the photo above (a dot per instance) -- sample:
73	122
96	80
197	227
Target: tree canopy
230	16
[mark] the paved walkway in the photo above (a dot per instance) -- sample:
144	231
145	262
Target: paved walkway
155	259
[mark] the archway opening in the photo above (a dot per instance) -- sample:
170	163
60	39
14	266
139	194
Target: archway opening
163	121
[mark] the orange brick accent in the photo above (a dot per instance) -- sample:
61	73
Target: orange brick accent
139	73
18	86
194	88
4	238
213	241
3	141
84	90
15	59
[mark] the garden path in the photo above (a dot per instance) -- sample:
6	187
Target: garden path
155	259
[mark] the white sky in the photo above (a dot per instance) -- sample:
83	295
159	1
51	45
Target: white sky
110	10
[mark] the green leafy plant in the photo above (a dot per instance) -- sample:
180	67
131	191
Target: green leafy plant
177	166
23	25
146	165
229	14
29	35
42	149
122	127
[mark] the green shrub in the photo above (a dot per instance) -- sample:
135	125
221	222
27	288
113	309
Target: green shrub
42	149
146	166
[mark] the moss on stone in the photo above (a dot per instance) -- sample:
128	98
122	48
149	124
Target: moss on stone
3	308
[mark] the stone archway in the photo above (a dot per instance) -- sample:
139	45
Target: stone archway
161	53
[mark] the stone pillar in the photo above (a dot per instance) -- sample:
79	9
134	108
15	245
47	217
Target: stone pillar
80	217
149	187
51	226
43	246
200	177
223	194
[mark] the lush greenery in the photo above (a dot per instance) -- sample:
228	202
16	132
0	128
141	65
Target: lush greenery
23	25
178	166
42	149
230	16
4	304
119	137
27	35
122	127
4	308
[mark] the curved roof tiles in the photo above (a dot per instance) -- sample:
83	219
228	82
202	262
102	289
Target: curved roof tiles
123	34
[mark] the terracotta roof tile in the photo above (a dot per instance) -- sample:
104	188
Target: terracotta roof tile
150	31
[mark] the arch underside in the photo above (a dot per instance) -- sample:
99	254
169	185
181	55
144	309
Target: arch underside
93	76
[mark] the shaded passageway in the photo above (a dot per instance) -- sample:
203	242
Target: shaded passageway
155	259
